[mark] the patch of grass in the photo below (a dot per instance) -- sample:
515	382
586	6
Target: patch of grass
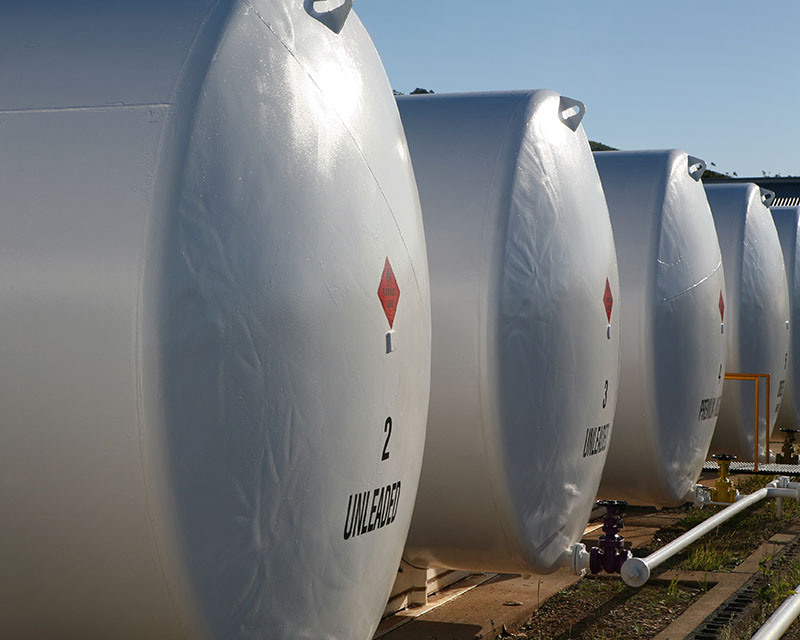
695	516
724	548
672	589
708	557
777	582
603	607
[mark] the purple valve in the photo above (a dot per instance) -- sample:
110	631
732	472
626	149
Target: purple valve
610	554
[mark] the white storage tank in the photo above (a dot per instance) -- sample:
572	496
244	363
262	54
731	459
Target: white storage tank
525	302
787	223
673	345
758	315
210	225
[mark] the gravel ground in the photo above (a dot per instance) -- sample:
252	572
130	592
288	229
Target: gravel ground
603	607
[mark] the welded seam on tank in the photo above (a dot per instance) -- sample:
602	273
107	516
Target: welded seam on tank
352	137
192	60
96	107
140	395
696	284
502	497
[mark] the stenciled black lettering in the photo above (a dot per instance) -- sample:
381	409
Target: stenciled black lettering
596	440
395	500
364	519
709	408
383	504
387	429
356	513
371	510
348	518
364	513
391	505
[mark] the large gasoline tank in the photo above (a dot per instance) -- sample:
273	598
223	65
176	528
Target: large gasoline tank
525	299
215	322
673	345
787	223
757	314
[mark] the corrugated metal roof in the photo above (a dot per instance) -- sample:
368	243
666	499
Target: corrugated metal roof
787	189
786	201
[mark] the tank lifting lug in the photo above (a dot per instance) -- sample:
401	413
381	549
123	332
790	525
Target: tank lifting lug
723	489
788	453
610	554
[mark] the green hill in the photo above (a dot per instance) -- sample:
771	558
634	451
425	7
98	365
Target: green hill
599	146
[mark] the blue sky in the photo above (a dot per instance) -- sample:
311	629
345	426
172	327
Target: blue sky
718	79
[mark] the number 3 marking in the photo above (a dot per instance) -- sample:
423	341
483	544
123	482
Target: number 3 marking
605	395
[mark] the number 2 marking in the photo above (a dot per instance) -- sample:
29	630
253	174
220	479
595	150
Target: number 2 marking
387	429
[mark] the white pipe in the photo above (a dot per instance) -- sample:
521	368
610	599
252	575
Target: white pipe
788	492
636	571
777	624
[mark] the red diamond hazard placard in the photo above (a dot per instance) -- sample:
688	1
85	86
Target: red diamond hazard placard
608	300
721	307
388	292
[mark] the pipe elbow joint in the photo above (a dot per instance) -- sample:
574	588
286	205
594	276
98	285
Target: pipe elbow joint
577	558
700	496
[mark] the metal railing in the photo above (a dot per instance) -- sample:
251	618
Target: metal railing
756	377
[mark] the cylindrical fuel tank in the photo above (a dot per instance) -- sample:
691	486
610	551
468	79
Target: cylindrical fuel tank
210	231
673	345
525	299
787	223
757	316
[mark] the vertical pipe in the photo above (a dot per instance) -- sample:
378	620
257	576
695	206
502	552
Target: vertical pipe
766	426
755	457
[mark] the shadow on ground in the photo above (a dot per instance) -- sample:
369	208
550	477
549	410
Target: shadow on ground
422	630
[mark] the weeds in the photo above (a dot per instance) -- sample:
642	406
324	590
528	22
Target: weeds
673	592
600	607
778	581
733	540
710	556
604	608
